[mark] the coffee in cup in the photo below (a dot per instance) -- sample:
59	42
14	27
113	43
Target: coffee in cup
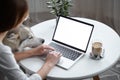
97	48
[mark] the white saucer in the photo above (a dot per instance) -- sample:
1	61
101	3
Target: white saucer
97	57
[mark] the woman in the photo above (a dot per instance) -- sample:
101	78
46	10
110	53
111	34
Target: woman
13	13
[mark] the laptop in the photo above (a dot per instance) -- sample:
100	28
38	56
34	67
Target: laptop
71	38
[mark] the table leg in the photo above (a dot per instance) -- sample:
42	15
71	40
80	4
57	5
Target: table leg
96	77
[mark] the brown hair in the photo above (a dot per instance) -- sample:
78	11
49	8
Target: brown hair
12	13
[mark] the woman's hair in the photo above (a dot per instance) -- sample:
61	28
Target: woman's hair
12	13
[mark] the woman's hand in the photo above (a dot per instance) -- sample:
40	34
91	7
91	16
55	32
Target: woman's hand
52	58
42	49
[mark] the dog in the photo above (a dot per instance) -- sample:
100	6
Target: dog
20	38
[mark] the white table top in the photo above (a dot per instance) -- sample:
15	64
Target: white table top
85	67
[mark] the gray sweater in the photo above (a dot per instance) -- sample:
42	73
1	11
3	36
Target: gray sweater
10	68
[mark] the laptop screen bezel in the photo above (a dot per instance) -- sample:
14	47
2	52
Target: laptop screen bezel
70	45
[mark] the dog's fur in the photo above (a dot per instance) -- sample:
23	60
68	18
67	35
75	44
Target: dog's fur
20	38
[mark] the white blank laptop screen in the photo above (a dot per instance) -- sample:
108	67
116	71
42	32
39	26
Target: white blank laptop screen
73	33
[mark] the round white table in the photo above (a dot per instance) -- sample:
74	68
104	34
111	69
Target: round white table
85	67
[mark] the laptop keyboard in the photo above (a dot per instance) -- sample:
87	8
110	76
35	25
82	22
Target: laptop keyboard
68	53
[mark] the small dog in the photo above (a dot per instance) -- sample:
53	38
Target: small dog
20	38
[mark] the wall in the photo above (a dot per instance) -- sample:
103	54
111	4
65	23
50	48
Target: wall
38	6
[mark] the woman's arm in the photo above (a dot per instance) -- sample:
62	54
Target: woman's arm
40	50
51	59
25	54
10	68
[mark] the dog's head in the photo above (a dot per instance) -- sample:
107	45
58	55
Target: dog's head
12	39
20	38
31	42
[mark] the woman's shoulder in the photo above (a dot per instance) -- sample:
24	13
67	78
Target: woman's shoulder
4	49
